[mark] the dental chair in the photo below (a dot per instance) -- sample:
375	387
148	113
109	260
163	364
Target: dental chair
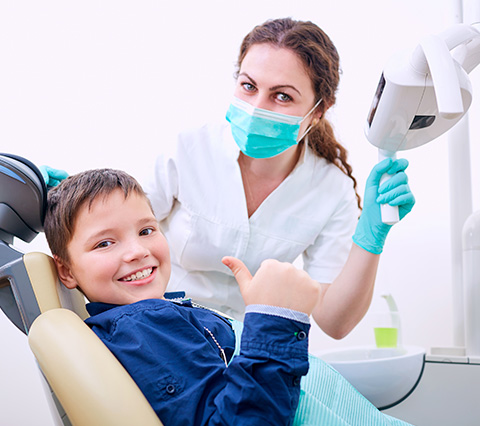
89	386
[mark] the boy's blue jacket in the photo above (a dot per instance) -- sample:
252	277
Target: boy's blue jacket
168	351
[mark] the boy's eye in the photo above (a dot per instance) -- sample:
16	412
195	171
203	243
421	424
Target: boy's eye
103	244
146	231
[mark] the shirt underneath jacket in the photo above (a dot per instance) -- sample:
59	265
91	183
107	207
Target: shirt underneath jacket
166	348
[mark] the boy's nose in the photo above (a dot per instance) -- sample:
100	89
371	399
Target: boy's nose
135	251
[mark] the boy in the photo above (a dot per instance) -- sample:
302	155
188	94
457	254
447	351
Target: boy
105	240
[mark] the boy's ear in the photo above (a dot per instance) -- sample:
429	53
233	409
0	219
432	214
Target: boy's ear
64	273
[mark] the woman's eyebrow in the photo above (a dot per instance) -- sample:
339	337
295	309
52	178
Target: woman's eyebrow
244	74
273	88
285	86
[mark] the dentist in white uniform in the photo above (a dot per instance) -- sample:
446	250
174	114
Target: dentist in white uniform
271	181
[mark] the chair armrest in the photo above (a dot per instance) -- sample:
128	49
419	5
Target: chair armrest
90	383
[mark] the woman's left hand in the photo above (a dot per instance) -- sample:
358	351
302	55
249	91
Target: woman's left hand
371	232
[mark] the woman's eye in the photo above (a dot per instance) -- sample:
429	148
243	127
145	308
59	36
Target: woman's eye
283	97
146	231
248	87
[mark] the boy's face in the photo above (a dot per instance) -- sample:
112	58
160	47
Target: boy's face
117	253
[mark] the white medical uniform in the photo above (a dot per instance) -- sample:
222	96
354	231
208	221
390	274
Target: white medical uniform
199	198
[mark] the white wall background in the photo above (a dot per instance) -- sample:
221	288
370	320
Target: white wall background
111	83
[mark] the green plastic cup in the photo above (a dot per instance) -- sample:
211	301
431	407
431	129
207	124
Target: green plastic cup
386	337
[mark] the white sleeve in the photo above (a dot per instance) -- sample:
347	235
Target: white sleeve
162	187
325	258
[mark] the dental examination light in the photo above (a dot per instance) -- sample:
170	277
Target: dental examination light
422	94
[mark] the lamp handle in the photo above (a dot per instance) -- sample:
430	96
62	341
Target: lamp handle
390	214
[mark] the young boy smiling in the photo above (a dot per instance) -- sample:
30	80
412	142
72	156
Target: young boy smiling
105	241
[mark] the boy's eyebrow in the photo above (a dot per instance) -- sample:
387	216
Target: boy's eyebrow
99	234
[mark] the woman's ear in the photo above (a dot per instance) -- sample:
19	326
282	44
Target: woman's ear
317	116
320	112
64	273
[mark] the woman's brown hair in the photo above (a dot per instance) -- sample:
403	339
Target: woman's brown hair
322	63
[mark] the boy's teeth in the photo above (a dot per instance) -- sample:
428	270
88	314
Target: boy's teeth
139	275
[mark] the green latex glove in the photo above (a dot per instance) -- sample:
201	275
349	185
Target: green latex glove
371	232
52	177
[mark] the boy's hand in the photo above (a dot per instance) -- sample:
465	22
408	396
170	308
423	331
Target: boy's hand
275	284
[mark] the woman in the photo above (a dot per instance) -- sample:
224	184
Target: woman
272	182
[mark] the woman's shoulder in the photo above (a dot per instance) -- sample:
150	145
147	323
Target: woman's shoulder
210	142
211	133
327	184
325	171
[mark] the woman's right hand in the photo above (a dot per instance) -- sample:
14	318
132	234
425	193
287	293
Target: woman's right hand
275	284
51	176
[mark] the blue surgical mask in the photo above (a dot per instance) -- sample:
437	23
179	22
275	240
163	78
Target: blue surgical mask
260	133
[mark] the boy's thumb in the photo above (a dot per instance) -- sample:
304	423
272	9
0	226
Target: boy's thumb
240	271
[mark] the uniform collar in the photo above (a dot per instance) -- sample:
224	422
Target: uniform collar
229	145
95	308
174	295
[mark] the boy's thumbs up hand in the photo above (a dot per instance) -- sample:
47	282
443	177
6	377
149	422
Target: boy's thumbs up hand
275	284
240	271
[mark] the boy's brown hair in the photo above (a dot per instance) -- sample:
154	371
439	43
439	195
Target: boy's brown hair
65	200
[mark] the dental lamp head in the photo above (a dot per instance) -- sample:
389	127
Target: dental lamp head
424	92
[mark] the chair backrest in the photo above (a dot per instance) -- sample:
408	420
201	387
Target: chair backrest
30	286
91	385
49	292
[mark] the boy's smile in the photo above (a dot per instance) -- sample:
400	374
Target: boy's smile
118	254
137	278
